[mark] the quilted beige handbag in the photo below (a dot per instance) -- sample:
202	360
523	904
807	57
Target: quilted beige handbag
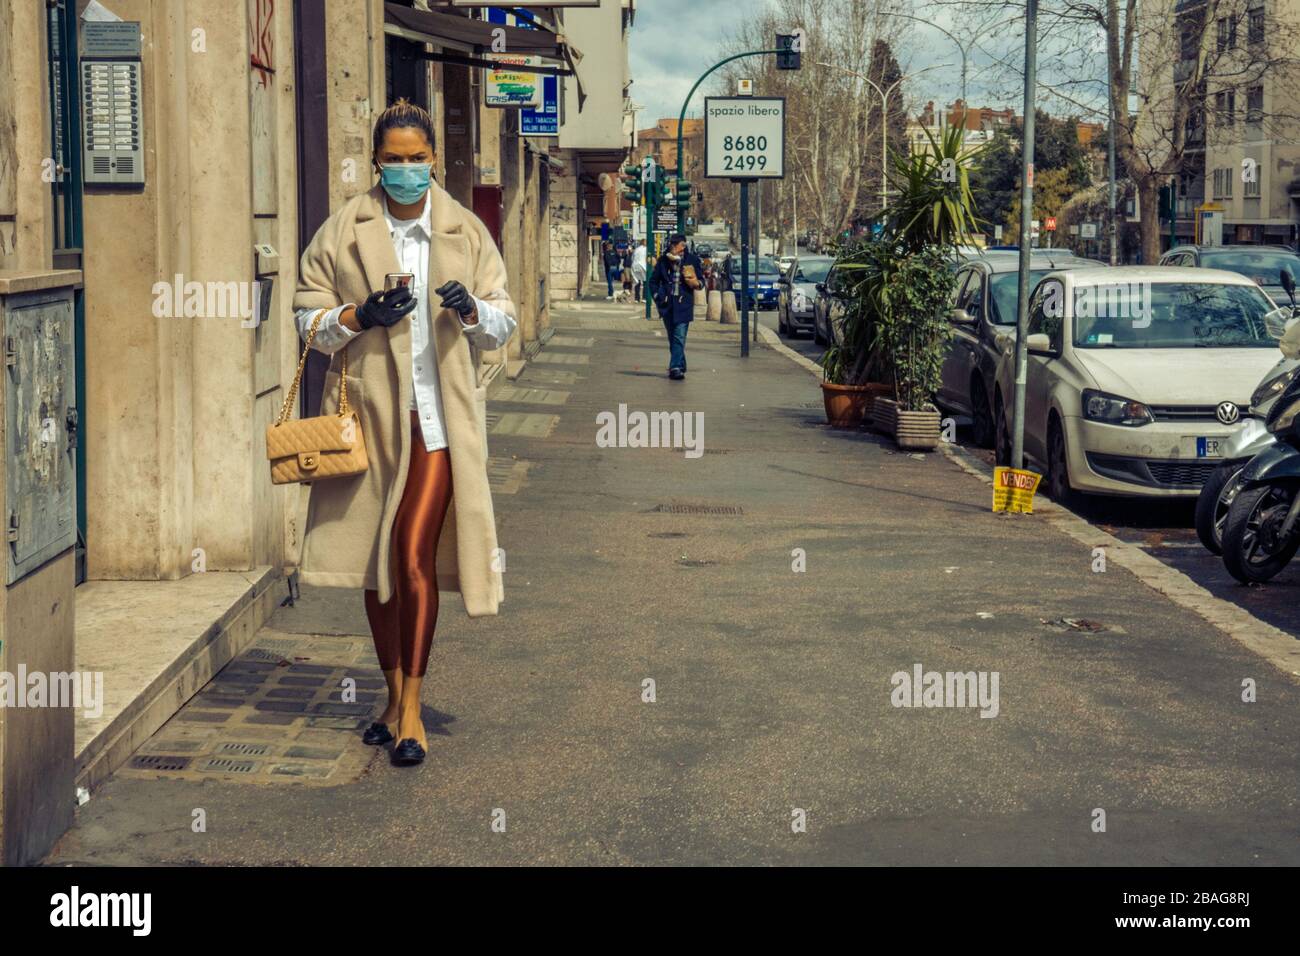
313	449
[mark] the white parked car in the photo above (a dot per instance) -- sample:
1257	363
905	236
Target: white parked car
1136	377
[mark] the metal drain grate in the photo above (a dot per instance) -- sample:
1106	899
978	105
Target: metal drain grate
698	509
228	765
159	762
263	654
244	749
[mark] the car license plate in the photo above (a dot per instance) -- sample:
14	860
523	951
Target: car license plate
1208	447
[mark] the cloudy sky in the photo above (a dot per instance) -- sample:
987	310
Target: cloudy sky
674	41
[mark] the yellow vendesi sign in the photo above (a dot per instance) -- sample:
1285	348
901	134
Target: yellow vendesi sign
1013	489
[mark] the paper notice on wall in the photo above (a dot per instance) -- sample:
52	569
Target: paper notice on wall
1013	489
96	12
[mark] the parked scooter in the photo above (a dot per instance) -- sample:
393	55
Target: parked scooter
1261	532
1220	489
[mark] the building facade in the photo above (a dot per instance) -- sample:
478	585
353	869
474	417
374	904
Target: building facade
160	173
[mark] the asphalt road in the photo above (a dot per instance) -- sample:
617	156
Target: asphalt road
1164	529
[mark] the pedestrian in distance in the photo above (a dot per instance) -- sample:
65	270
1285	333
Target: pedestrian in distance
610	255
638	270
626	271
676	276
403	287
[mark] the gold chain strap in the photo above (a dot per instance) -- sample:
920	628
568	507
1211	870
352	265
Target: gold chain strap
344	408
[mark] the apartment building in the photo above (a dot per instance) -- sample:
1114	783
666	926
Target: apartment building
1252	135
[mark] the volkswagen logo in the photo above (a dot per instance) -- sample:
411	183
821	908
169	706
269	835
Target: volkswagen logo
1228	413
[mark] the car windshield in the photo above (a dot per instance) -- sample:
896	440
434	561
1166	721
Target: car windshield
1005	286
814	270
765	267
1263	267
1171	315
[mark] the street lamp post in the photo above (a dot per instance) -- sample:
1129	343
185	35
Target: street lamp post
884	115
1026	217
744	196
1110	150
964	47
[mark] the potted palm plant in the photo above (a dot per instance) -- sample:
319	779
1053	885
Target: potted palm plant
897	285
854	368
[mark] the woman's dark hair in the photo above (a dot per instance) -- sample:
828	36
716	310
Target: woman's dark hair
403	113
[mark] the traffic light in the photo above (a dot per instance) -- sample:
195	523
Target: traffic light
790	52
632	183
663	192
683	193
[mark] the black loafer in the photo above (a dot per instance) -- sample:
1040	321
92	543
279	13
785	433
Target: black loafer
377	733
408	752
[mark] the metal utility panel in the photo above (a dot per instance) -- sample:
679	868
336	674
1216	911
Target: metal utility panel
40	428
111	104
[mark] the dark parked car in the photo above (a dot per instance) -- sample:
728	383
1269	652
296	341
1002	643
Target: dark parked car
763	274
797	293
1263	264
828	307
983	318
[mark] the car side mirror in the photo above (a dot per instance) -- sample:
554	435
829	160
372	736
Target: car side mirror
961	317
1040	344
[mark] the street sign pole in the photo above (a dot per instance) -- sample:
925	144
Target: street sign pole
758	240
648	193
1026	217
744	267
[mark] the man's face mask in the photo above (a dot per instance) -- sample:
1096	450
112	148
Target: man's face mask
405	182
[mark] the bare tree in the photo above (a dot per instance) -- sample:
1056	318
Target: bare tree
832	114
1183	72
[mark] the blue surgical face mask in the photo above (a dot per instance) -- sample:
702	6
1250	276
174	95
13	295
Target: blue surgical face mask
405	182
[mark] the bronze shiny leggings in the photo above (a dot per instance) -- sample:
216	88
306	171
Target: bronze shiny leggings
403	628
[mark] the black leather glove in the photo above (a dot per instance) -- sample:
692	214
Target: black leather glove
385	308
456	296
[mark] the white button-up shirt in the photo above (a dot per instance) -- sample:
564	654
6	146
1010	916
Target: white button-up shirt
411	243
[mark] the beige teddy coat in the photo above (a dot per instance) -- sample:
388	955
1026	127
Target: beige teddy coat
348	536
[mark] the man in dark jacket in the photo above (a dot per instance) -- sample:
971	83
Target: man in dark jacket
611	261
677	275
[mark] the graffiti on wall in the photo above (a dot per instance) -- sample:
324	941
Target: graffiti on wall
261	40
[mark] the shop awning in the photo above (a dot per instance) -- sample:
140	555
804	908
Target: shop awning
475	36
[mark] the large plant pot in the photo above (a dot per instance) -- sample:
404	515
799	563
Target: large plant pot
915	431
849	406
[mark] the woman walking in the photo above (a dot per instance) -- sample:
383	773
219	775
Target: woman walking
407	285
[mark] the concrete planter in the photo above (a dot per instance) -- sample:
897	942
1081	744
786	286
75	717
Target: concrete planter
729	315
915	431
